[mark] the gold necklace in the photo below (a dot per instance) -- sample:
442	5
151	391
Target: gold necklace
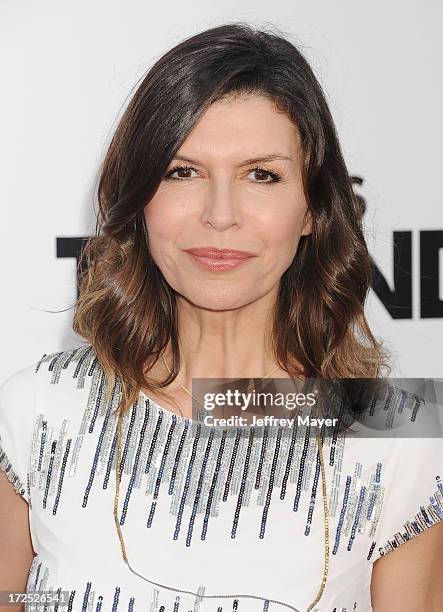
235	595
189	392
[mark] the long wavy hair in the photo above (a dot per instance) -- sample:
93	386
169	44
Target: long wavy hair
127	311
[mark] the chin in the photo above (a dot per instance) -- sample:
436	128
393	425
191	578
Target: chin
217	302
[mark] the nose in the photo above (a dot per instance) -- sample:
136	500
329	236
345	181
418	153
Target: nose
221	209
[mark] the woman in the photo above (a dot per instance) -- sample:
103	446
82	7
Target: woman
229	245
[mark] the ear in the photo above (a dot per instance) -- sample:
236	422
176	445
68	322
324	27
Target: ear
307	223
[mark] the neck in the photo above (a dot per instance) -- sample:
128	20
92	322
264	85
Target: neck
232	343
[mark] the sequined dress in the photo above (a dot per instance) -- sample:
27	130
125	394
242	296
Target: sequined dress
203	511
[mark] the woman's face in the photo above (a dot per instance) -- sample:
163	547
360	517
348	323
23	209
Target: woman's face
217	198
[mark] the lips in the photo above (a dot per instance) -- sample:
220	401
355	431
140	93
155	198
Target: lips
219	260
214	253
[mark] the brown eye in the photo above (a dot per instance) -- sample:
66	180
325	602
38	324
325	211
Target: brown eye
261	173
181	169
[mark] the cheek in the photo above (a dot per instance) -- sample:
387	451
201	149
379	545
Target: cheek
155	218
166	215
282	235
162	228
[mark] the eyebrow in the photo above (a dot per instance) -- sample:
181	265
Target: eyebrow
246	162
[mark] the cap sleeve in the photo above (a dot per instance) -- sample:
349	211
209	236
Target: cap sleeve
414	500
17	407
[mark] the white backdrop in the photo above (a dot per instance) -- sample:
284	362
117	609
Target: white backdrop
68	69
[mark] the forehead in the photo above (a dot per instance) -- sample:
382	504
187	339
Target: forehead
242	126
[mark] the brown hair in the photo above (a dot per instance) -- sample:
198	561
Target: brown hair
127	311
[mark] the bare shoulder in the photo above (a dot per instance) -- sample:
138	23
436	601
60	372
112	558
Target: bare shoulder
16	552
410	578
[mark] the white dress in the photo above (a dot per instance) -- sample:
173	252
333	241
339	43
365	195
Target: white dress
221	514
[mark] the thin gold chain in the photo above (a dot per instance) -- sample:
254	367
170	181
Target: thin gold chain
236	595
189	392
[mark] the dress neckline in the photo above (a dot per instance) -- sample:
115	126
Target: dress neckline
168	412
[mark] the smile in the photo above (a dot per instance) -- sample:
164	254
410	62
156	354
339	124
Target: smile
218	264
